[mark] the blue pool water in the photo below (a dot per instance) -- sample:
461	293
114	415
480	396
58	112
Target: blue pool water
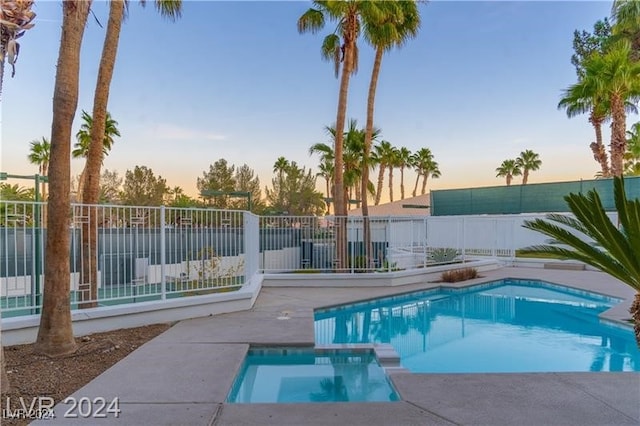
304	375
505	326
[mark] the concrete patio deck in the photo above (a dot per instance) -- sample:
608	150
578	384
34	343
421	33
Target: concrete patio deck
183	376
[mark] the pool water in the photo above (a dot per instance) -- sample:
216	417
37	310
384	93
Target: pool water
306	375
504	326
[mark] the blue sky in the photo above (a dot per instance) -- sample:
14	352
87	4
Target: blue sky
235	80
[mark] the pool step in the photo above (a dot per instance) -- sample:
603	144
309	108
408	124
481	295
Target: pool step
387	356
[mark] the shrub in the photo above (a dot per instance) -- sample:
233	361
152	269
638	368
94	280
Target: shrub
444	255
456	275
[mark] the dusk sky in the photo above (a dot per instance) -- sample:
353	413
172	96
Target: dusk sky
235	80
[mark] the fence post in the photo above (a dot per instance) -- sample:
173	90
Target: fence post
464	239
388	243
424	243
495	238
163	260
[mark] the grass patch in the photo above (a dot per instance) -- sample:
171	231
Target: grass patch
537	255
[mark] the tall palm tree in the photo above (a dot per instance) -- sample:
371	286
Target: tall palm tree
398	22
15	18
55	334
528	161
404	160
91	184
39	153
326	172
613	250
339	47
614	77
100	130
508	169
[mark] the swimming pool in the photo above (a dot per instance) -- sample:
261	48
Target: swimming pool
281	375
503	326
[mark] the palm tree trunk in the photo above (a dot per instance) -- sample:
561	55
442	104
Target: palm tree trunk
380	183
635	314
415	188
402	183
339	189
91	188
597	147
525	176
2	61
55	334
368	135
509	177
618	135
390	183
45	171
328	195
425	177
5	385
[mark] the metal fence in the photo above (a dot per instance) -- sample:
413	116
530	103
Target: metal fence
123	254
126	254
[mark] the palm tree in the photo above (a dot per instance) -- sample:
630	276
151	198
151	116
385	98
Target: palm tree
103	129
327	159
39	154
393	161
432	170
83	137
398	22
614	77
100	127
382	155
425	167
281	165
576	102
55	334
404	160
326	172
508	169
528	161
626	15
632	156
612	250
83	143
340	48
16	17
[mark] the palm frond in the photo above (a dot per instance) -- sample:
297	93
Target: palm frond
612	250
311	21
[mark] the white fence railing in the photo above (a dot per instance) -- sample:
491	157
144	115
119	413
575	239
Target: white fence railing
155	253
123	254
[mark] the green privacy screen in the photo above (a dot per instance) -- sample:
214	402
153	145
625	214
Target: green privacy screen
531	198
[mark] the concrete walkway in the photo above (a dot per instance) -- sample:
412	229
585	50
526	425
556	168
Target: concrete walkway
183	376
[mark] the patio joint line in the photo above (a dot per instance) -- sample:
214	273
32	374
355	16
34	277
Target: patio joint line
432	413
